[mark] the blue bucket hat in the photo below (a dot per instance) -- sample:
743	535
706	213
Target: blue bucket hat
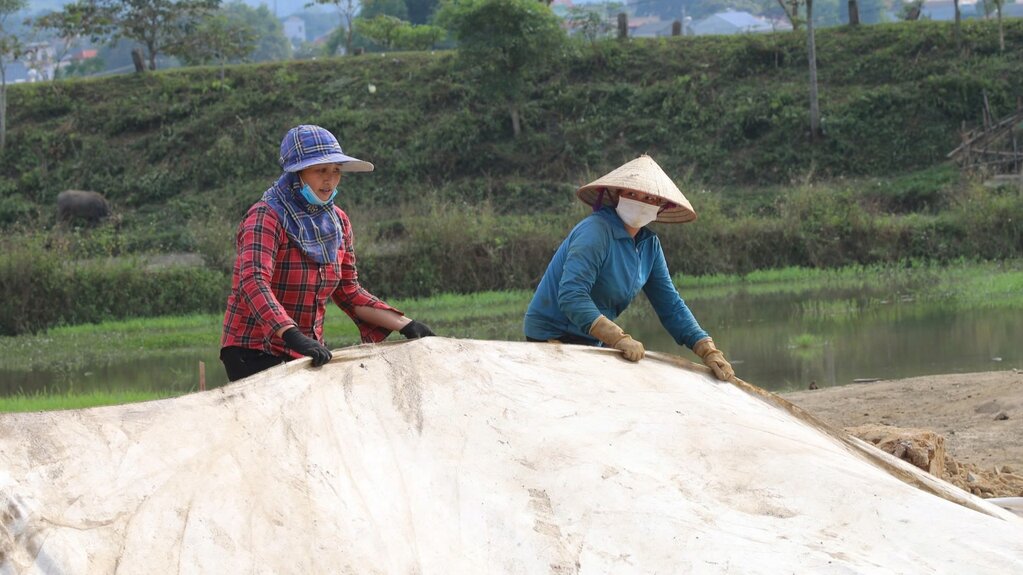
307	145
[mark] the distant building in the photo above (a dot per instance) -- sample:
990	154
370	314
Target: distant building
85	54
294	30
650	29
38	63
736	22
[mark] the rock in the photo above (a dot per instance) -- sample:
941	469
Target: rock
1002	416
921	447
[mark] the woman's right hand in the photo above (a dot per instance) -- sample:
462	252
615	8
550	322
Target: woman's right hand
306	345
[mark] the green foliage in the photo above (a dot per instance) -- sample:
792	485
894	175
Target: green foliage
390	32
43	288
181	154
159	25
373	8
504	42
270	41
51	402
216	39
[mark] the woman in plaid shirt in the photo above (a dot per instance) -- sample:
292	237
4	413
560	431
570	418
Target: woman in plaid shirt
295	252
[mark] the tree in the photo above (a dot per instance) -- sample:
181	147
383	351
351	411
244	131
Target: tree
589	23
811	48
1001	28
271	43
381	29
373	8
866	12
504	42
791	9
158	25
956	29
217	39
420	11
390	32
10	47
419	37
347	9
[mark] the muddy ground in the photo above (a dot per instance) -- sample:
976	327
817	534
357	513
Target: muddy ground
979	415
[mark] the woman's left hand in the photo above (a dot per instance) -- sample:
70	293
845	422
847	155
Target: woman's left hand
416	330
714	359
717	362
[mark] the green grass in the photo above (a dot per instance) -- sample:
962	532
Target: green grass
805	341
49	402
973	284
498	315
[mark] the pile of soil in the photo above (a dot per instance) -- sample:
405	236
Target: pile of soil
964	428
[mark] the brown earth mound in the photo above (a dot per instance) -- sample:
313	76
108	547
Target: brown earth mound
964	428
926	450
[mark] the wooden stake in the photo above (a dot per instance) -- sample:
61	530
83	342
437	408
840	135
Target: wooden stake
202	376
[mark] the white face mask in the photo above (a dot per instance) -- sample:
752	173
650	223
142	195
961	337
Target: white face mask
635	213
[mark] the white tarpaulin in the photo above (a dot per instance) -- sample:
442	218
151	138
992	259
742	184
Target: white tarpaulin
441	456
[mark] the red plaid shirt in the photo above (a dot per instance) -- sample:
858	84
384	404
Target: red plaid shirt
275	285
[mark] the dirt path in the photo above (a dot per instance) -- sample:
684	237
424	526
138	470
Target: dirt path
980	415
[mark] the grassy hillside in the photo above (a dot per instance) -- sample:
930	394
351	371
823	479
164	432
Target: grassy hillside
458	204
715	111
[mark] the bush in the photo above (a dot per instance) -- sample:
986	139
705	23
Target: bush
43	289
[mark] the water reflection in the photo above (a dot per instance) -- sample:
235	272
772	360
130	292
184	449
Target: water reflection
171	375
778	341
786	341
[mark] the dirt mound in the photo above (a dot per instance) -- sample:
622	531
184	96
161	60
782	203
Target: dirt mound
439	456
926	450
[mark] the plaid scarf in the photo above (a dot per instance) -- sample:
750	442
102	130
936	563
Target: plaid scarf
316	230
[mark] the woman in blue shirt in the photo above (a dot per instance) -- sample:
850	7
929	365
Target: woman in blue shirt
608	257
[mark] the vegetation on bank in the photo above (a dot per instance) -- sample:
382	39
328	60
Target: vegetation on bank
50	402
498	314
84	276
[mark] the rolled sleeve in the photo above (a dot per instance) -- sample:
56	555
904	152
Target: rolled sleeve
350	294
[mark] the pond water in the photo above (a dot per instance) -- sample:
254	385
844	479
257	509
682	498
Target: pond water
786	341
778	341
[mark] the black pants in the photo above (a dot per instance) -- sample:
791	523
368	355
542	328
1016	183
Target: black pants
572	339
241	362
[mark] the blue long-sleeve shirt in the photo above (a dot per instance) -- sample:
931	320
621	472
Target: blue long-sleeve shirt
599	269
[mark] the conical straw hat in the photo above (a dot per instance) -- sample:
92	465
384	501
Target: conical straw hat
641	175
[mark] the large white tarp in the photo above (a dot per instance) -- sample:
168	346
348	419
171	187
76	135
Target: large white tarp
441	456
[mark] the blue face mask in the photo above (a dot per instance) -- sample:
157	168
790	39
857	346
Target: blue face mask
311	197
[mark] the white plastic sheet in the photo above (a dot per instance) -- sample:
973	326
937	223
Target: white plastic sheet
441	456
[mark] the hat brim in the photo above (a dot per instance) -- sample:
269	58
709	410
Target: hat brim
348	163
